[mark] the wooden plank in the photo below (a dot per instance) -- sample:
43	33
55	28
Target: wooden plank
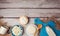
29	3
12	22
29	12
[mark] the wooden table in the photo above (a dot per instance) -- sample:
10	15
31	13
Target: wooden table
6	35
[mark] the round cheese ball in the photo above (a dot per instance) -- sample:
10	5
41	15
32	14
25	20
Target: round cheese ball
23	20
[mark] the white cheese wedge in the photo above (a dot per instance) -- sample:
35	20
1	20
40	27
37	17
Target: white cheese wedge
3	30
50	32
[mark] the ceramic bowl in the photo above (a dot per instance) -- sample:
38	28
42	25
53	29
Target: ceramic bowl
30	29
17	30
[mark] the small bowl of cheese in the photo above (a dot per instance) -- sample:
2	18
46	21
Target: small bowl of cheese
17	30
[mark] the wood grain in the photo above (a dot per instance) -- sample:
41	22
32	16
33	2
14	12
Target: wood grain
29	12
29	3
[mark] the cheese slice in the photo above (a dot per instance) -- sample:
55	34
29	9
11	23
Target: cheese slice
50	32
3	30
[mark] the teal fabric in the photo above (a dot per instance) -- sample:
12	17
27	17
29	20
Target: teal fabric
50	23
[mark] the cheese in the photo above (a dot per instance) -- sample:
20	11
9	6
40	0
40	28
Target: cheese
3	30
50	31
23	20
16	30
30	29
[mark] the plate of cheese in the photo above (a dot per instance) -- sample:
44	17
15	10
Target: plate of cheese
30	29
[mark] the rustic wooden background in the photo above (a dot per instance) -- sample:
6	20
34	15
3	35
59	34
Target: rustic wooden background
12	9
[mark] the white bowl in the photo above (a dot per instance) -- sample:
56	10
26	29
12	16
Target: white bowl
30	29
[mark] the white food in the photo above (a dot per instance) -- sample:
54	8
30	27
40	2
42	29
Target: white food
3	30
23	20
16	30
50	31
31	29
